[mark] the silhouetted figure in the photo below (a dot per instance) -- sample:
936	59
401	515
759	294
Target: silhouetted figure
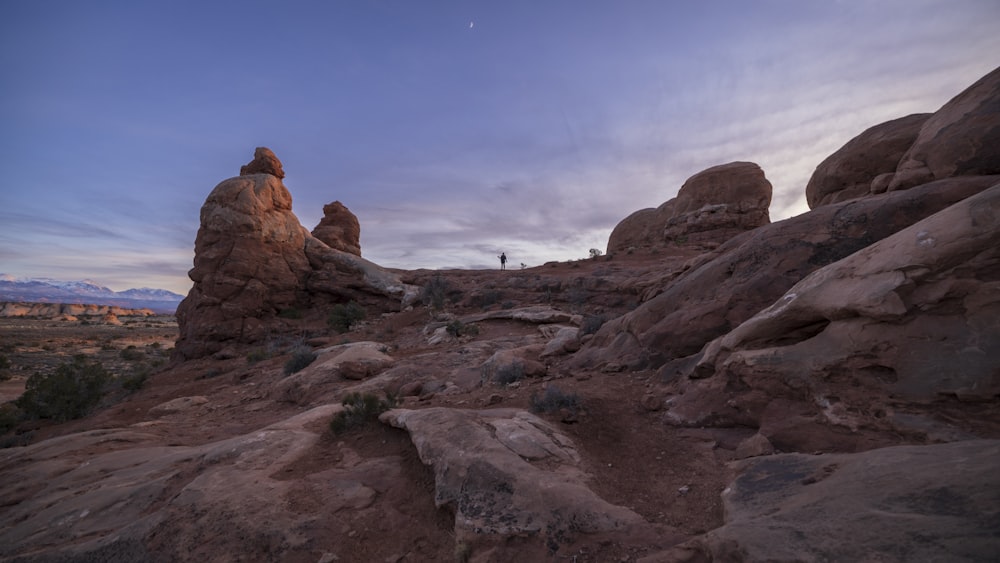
503	261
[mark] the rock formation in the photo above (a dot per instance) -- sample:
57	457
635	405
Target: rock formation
820	388
960	139
870	506
264	162
711	207
54	310
751	271
850	172
339	229
836	349
253	260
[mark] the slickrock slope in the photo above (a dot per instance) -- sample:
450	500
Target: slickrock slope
820	388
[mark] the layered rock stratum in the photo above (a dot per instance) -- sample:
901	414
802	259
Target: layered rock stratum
718	388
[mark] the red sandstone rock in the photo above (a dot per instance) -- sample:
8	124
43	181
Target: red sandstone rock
711	207
850	172
339	228
751	271
960	139
264	162
914	318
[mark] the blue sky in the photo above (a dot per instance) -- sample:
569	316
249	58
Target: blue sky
454	130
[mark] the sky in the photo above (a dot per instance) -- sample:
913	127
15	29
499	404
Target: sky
454	130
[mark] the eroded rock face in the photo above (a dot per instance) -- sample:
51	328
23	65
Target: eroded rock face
339	229
249	264
860	507
507	473
253	260
751	271
711	207
960	139
913	319
137	498
849	172
264	162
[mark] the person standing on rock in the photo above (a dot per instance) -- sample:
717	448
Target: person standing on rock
503	261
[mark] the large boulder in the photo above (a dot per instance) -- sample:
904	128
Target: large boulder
751	271
249	264
711	207
911	321
849	172
507	474
960	139
339	229
904	503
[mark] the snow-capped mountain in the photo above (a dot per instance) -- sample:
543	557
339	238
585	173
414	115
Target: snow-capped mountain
45	290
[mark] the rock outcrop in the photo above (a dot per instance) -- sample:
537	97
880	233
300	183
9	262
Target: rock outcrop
506	473
253	260
339	229
849	172
905	503
264	162
960	139
711	207
837	349
751	271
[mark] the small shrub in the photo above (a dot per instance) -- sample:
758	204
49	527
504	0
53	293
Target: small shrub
457	328
595	252
591	324
345	316
359	410
10	416
135	380
485	299
214	372
437	292
132	354
70	392
554	400
257	355
302	356
156	346
509	373
290	313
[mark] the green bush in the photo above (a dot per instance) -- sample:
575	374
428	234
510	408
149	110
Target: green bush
509	373
4	367
457	328
591	324
290	313
555	400
257	355
132	354
70	392
343	317
10	416
359	410
438	291
134	381
302	356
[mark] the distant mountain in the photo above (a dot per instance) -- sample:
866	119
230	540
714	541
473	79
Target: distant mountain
45	290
